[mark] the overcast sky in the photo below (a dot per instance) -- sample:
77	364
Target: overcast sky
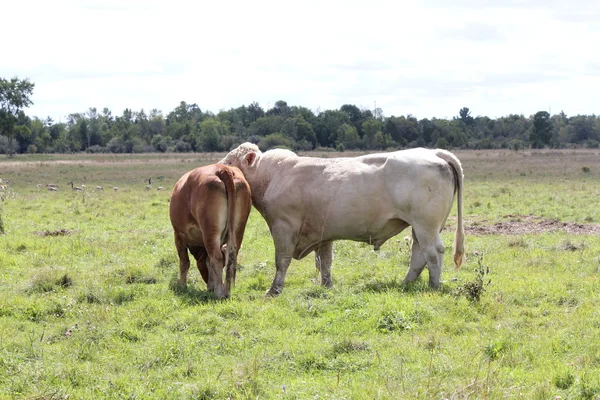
426	58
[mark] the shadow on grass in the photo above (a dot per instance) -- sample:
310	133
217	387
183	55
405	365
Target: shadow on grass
396	284
190	294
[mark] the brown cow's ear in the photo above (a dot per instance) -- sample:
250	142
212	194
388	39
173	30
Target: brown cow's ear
250	158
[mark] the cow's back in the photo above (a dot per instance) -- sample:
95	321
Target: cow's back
198	202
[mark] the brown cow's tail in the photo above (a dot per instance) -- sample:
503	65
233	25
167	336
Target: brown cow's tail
226	176
459	236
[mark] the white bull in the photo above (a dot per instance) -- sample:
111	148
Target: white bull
310	202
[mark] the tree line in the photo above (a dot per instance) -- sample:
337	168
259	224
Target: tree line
189	128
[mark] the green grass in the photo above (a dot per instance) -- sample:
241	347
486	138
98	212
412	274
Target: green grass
94	312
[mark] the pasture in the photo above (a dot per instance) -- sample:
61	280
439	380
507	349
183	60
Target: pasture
89	306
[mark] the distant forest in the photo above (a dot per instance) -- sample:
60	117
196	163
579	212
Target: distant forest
189	128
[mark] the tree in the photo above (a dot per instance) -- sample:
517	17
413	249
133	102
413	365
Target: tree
305	133
356	116
542	130
327	125
14	97
403	130
347	135
370	128
255	112
211	132
465	116
280	108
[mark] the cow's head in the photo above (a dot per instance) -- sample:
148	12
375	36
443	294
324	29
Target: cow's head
244	157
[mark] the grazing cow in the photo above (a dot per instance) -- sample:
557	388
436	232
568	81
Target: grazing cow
209	209
310	202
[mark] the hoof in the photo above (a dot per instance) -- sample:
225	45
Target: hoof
273	292
435	285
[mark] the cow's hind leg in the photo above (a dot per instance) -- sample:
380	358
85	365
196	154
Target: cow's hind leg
431	252
199	254
216	263
184	261
323	259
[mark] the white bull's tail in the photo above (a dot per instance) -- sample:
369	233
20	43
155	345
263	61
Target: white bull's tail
459	236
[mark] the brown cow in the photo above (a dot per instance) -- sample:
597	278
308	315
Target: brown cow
209	209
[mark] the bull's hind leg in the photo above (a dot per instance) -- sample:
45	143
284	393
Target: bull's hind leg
282	262
184	261
431	252
323	258
417	261
284	249
199	254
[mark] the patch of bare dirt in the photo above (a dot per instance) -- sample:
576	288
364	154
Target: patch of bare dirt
58	232
528	224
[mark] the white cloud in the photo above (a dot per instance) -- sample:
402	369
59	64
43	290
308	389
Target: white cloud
425	58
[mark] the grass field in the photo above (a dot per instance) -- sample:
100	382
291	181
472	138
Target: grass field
89	306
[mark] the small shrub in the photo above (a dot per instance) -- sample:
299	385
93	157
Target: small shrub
585	170
473	290
95	149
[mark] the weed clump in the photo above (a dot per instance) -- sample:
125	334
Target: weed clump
47	281
473	290
64	281
568	246
166	262
564	380
393	321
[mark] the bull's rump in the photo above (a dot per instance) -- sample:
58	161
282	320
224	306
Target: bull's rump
369	198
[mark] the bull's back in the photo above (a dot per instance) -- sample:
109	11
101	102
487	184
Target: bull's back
364	197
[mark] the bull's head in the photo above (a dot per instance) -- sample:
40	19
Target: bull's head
244	156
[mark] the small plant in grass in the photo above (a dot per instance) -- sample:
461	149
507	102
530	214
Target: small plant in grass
473	290
2	195
587	388
585	169
493	350
393	321
564	380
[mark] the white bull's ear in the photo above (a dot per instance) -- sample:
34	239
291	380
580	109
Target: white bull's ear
250	158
